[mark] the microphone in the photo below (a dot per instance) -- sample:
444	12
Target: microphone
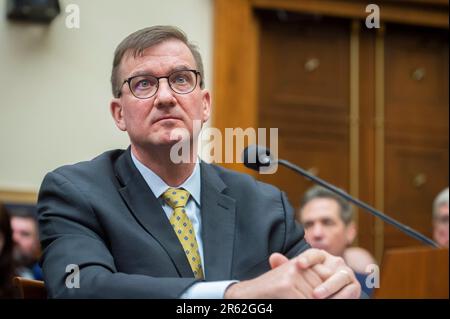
257	157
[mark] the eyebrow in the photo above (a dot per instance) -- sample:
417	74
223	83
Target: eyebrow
174	69
321	220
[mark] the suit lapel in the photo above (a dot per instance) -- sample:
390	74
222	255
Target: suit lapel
218	225
148	211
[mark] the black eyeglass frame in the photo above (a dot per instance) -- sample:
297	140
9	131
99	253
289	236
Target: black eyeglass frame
128	81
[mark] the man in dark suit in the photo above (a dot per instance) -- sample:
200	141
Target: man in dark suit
137	224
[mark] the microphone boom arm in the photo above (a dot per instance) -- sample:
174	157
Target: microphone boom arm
408	230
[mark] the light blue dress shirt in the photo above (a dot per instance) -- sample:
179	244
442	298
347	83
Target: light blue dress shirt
207	290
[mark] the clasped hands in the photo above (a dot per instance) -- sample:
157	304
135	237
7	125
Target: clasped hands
315	274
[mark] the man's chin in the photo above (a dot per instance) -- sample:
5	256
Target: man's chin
23	260
172	136
171	142
162	143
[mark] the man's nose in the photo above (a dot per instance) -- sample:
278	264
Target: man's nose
317	231
165	95
16	237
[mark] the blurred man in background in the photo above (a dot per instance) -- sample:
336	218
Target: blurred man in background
26	243
328	223
440	218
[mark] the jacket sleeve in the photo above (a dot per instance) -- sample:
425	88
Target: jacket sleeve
71	238
295	242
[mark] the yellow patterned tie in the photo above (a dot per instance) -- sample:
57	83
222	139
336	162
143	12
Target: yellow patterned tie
177	199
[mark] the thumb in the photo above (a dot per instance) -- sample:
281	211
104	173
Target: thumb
277	259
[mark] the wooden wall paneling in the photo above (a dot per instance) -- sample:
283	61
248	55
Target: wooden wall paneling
237	36
379	140
236	46
354	116
412	12
304	91
416	127
414	176
19	197
235	68
366	231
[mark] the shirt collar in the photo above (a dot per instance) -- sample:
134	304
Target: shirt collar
158	186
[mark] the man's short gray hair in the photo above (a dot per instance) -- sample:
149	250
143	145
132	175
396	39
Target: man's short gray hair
440	200
145	38
346	212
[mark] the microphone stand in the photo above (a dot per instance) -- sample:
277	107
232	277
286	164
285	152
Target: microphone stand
408	230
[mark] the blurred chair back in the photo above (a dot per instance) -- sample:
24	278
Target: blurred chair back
29	289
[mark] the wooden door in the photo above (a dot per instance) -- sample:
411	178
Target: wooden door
305	88
304	92
415	127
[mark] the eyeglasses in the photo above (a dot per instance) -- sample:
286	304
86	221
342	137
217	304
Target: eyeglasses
146	86
442	220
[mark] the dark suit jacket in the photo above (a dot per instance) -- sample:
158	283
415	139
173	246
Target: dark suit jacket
102	216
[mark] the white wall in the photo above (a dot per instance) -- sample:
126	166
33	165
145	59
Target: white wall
54	81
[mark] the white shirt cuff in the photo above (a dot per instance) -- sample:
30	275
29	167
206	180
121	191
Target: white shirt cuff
207	290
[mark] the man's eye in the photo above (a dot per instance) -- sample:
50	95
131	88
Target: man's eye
180	80
328	222
143	84
307	225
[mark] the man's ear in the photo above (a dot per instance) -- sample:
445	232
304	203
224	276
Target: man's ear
350	232
117	114
206	105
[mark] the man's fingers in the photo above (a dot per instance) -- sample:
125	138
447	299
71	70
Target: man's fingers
276	260
311	279
333	284
311	257
322	271
349	292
